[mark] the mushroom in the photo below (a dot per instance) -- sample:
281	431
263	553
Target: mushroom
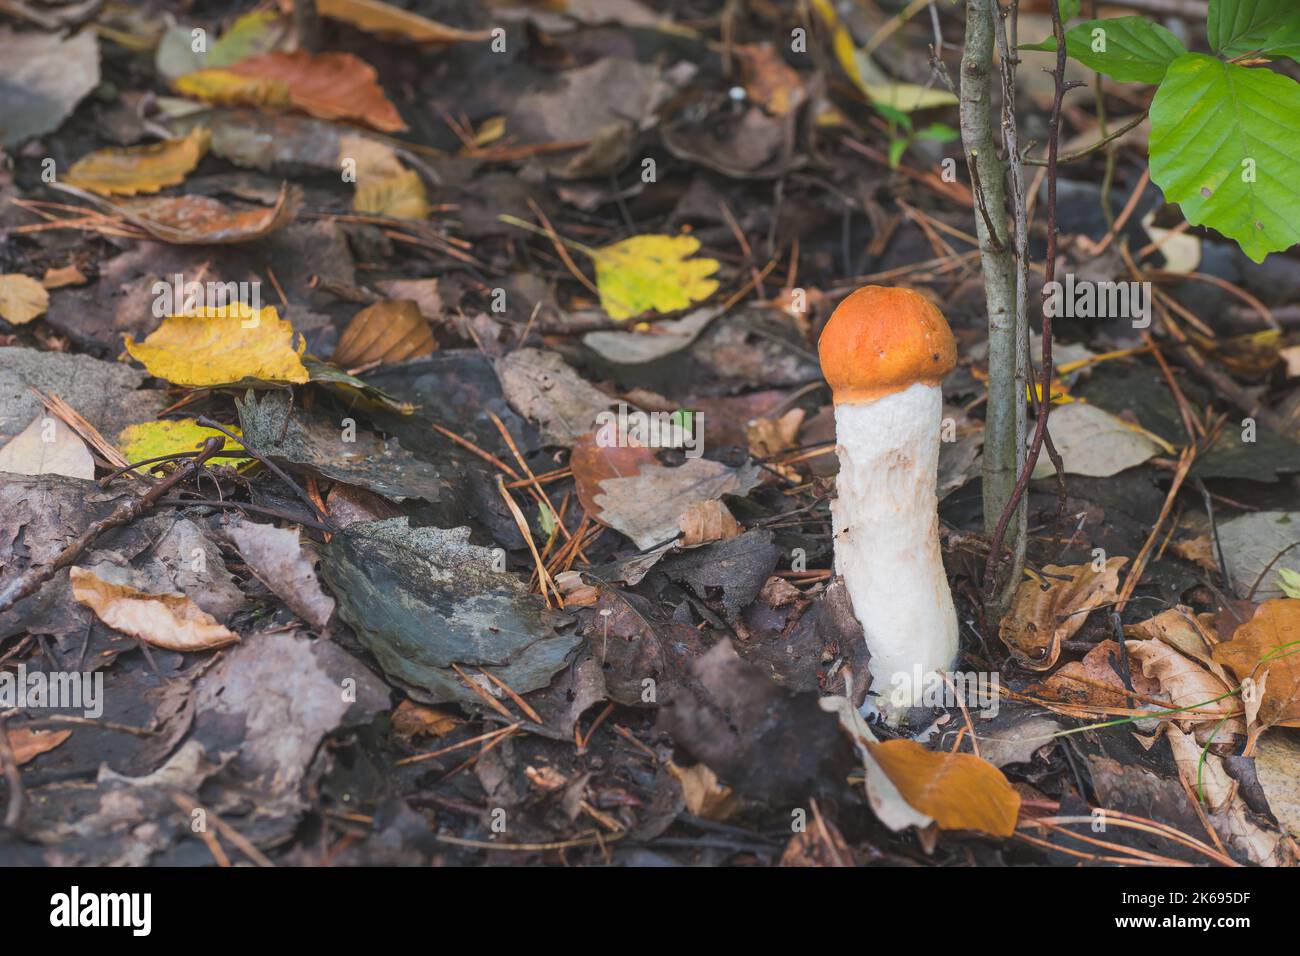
884	353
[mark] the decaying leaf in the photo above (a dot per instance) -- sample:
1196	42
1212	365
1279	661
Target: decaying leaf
27	745
1277	764
172	436
663	339
43	77
47	447
277	557
768	79
171	621
222	346
202	220
424	599
1266	652
1187	683
129	170
1040	618
707	521
1095	681
542	386
392	330
22	298
1096	443
704	795
331	85
652	274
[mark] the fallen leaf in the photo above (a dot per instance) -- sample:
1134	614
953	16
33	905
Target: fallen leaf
1266	651
384	187
1186	682
373	16
1041	618
27	744
1277	765
65	276
1096	443
594	459
707	521
276	556
202	220
258	32
22	298
411	720
768	79
1202	770
389	331
647	506
170	621
652	274
767	436
958	791
47	447
1251	543
704	795
663	338
223	346
1185	631
1099	666
171	436
540	385
43	76
331	86
128	170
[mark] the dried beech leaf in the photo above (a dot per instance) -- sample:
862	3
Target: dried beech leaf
393	330
1187	683
170	621
375	17
959	791
707	521
1266	650
27	744
1040	618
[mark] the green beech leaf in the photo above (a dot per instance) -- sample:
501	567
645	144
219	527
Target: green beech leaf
1222	147
1246	26
1070	9
1128	49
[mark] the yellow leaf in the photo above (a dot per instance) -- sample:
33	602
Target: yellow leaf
223	88
222	346
959	791
652	273
22	298
172	436
907	97
398	197
375	17
139	169
170	621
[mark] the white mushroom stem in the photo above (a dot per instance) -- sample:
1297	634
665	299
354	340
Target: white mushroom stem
886	526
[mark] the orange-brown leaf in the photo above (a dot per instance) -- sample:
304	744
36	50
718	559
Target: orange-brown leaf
202	220
139	169
326	85
1266	650
959	791
375	17
30	744
393	330
1040	618
171	621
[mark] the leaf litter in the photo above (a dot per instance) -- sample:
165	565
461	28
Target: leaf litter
445	283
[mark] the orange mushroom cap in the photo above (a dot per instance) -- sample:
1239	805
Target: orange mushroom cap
881	340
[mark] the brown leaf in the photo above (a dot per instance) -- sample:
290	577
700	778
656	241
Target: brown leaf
592	462
1266	650
1186	682
393	330
412	720
65	276
277	558
30	744
170	621
707	521
329	86
1040	618
704	795
767	436
1097	667
202	220
959	791
768	79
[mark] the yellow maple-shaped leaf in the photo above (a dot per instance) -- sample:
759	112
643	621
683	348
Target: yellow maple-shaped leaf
652	273
170	437
223	88
959	791
139	169
222	346
22	298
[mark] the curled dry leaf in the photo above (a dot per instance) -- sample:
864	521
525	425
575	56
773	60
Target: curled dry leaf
330	86
767	436
1187	683
384	186
22	298
139	169
1096	682
958	791
28	744
707	521
1040	618
393	330
373	16
170	621
704	795
1181	628
276	556
222	346
202	220
1266	651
